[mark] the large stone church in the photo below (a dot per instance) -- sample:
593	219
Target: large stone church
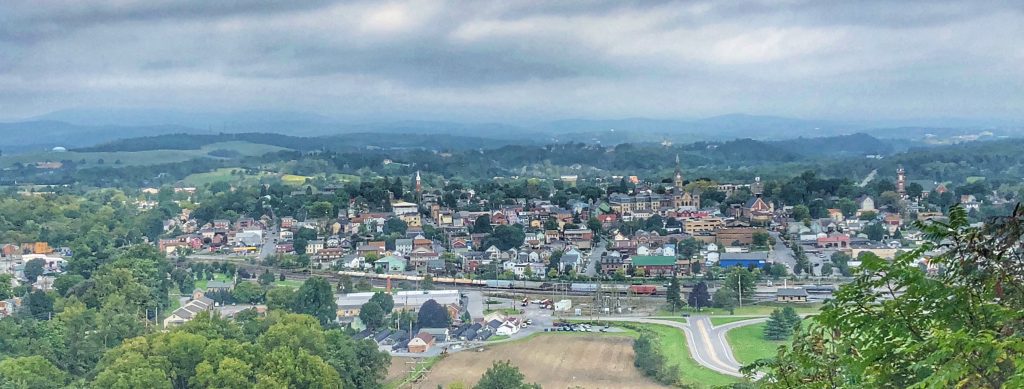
681	198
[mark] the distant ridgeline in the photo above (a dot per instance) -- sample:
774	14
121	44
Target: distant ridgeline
167	159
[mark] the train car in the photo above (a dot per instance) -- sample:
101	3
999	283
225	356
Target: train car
580	287
643	289
499	284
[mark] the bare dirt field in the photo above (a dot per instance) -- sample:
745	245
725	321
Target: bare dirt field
399	368
553	360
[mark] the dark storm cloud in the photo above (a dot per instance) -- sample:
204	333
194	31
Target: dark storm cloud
604	58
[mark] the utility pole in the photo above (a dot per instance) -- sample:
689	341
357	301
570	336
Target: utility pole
739	286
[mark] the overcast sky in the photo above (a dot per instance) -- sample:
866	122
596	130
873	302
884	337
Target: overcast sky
517	60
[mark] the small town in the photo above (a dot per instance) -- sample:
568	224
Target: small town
511	195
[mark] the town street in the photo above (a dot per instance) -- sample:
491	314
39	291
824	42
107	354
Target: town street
595	258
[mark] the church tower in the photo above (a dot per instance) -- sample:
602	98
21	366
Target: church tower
678	179
901	182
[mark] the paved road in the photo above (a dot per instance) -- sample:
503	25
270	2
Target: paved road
595	258
706	342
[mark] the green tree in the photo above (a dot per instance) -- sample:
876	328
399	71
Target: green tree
316	298
672	295
39	304
725	298
7	291
699	296
228	373
761	239
267	278
433	315
34	268
248	292
506	237
31	372
742	278
875	231
372	315
482	225
280	298
503	375
841	261
395	225
688	248
801	212
427	283
386	301
896	325
792	318
345	284
594	225
777	327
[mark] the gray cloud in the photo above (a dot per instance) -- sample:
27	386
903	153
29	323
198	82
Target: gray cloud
518	60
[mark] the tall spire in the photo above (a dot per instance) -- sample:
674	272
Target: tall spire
678	178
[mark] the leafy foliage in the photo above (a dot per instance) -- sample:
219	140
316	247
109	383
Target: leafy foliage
898	325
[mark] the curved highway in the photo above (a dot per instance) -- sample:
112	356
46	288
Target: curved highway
707	343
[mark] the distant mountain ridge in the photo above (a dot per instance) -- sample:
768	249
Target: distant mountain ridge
78	128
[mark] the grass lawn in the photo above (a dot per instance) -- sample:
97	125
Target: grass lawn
201	284
507	311
222	174
291	179
717	321
289	283
497	337
748	344
673	345
746	310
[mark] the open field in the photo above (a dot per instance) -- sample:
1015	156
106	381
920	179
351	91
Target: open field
551	360
201	284
138	158
222	174
291	179
748	344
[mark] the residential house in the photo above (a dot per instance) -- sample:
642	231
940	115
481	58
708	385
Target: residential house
390	264
199	303
421	343
403	246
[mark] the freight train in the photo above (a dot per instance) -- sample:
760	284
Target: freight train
575	287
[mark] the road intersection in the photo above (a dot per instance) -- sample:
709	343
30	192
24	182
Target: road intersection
707	343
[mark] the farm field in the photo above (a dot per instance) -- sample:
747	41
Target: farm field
228	174
139	158
553	361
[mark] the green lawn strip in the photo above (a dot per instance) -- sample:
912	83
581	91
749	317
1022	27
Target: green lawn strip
289	283
201	284
748	343
746	310
673	345
717	321
507	311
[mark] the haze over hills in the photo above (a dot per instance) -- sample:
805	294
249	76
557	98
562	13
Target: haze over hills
76	128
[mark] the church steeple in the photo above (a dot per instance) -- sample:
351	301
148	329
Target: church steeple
678	178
